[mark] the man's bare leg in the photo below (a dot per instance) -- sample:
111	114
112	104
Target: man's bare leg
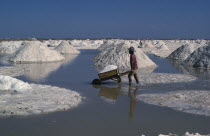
136	78
129	77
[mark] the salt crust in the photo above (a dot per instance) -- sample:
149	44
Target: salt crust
20	98
189	101
186	134
162	79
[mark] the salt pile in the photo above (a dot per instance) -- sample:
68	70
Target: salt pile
64	47
108	43
19	98
163	47
108	68
200	57
10	47
12	84
183	52
149	45
118	55
36	52
189	101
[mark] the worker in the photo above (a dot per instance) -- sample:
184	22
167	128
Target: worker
134	66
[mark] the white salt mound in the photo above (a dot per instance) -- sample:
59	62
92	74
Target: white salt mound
34	99
64	47
108	68
36	52
12	84
117	54
200	57
183	52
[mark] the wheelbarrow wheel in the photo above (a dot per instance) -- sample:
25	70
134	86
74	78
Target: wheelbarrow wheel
96	81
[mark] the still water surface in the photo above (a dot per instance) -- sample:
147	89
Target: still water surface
108	110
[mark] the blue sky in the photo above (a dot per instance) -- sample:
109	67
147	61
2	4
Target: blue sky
133	19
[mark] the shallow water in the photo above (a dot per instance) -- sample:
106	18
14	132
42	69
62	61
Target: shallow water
110	109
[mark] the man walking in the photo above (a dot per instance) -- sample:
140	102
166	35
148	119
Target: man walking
134	65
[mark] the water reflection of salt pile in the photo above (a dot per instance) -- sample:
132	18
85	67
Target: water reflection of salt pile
12	71
198	72
40	71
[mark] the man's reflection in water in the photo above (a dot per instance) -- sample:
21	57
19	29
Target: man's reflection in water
112	93
133	101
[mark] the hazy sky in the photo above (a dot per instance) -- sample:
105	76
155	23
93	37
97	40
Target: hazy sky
105	19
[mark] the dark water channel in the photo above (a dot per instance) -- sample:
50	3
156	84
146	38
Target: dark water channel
108	110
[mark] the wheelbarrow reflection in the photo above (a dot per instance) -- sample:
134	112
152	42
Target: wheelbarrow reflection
110	94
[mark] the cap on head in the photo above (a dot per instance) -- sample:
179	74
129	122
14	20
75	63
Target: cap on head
131	49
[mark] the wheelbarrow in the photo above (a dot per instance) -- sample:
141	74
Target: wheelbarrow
110	75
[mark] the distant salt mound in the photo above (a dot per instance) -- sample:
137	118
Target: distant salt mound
108	68
86	44
149	44
117	54
108	43
65	48
9	47
12	84
199	58
163	47
36	52
53	43
183	52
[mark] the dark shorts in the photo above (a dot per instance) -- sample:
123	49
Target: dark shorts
133	72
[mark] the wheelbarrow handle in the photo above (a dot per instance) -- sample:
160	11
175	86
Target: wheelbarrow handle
124	73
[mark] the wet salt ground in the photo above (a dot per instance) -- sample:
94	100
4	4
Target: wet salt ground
97	115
